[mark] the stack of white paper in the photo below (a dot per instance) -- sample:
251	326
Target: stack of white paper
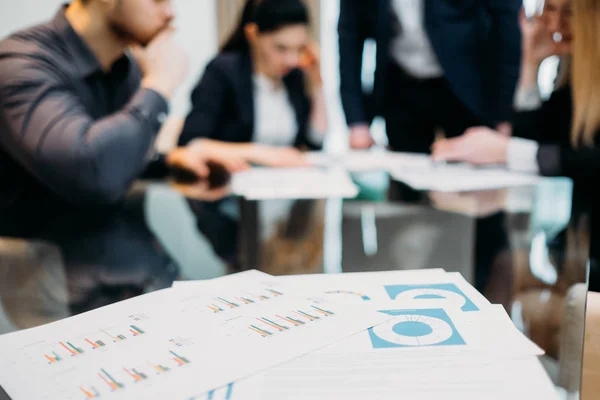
409	334
421	173
293	183
445	339
461	178
175	343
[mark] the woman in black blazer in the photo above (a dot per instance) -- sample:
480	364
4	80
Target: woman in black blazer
558	137
263	88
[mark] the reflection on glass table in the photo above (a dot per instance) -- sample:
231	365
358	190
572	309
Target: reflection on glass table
504	242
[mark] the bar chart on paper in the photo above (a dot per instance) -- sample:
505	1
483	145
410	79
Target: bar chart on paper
66	349
120	334
111	382
231	300
224	303
269	326
120	352
90	392
136	375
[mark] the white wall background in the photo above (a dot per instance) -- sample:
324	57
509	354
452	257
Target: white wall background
196	23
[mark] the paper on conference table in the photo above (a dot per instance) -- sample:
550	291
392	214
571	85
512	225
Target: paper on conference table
461	178
370	160
434	287
464	355
293	183
332	378
175	343
420	172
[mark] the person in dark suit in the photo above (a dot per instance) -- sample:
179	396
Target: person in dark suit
441	64
557	137
262	95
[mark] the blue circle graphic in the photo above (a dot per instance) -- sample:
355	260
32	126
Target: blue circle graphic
429	296
412	329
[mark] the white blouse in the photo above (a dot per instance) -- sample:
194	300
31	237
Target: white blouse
274	117
275	121
412	49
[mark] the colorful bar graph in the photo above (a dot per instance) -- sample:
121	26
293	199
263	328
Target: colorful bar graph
324	312
228	303
305	315
138	330
110	381
136	375
179	360
94	345
140	374
100	343
246	300
54	358
69	349
115	339
262	332
293	321
262	297
272	324
78	350
215	308
275	292
161	369
92	393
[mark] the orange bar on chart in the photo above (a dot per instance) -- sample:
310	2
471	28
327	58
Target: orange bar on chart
289	320
280	329
87	393
67	348
137	378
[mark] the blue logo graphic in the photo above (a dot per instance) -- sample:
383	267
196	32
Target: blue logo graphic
444	291
415	328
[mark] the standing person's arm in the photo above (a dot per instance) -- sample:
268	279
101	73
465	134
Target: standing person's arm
352	33
504	50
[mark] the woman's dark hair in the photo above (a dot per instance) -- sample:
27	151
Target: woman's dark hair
269	16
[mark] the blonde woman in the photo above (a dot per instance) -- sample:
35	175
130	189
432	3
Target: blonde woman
546	139
558	137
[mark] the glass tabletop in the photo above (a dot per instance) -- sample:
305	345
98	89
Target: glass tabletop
525	248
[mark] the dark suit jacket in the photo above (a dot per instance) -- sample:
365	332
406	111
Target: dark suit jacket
478	43
551	127
223	102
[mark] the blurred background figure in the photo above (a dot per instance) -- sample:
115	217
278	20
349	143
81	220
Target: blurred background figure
557	137
264	88
441	66
83	98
